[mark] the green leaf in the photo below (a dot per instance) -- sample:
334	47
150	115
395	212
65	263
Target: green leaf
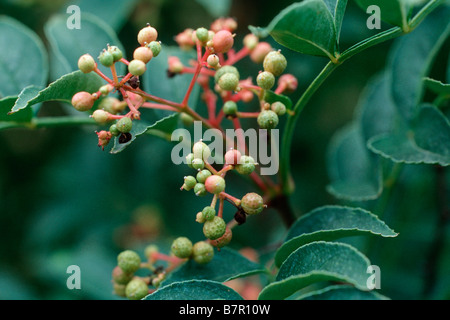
330	223
412	59
194	290
306	27
317	262
226	265
23	58
140	127
396	12
69	44
216	8
437	86
342	292
6	120
428	141
174	89
337	10
355	174
271	97
62	90
115	14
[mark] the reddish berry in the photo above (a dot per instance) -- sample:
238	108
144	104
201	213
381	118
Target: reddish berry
289	82
144	54
232	157
215	184
83	101
222	41
185	39
120	277
175	65
259	53
147	35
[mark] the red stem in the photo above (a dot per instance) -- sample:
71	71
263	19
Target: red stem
196	74
237	56
151	105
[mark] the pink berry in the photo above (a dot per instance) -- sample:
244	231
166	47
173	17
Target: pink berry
215	184
259	53
232	157
223	41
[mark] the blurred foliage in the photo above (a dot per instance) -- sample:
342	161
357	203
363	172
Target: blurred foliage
64	201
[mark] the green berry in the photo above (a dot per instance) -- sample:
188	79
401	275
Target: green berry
114	131
203	175
100	116
252	203
182	247
213	61
186	119
121	277
124	124
106	58
226	69
119	289
202	34
223	240
83	101
109	104
116	53
129	261
86	63
230	108
250	41
268	119
202	252
199	217
200	190
279	108
246	165
147	35
189	159
150	249
208	213
201	151
137	67
265	80
229	82
155	46
215	228
189	183
136	289
198	164
215	184
275	63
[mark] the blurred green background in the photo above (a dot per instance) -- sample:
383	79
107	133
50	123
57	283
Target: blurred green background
63	201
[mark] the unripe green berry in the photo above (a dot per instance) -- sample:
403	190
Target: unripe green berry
124	124
198	164
246	165
279	108
109	104
129	261
121	277
268	119
149	250
114	131
143	53
100	116
229	82
137	67
275	63
155	46
215	184
186	119
215	228
136	289
106	58
203	175
208	213
201	150
230	108
86	63
265	80
189	183
213	61
189	159
83	101
202	34
147	35
182	247
202	252
119	289
200	190
225	69
116	53
251	41
223	240
252	203
199	217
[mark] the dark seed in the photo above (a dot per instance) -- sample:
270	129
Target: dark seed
240	217
124	137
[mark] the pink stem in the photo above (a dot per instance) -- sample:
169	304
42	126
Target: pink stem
237	56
